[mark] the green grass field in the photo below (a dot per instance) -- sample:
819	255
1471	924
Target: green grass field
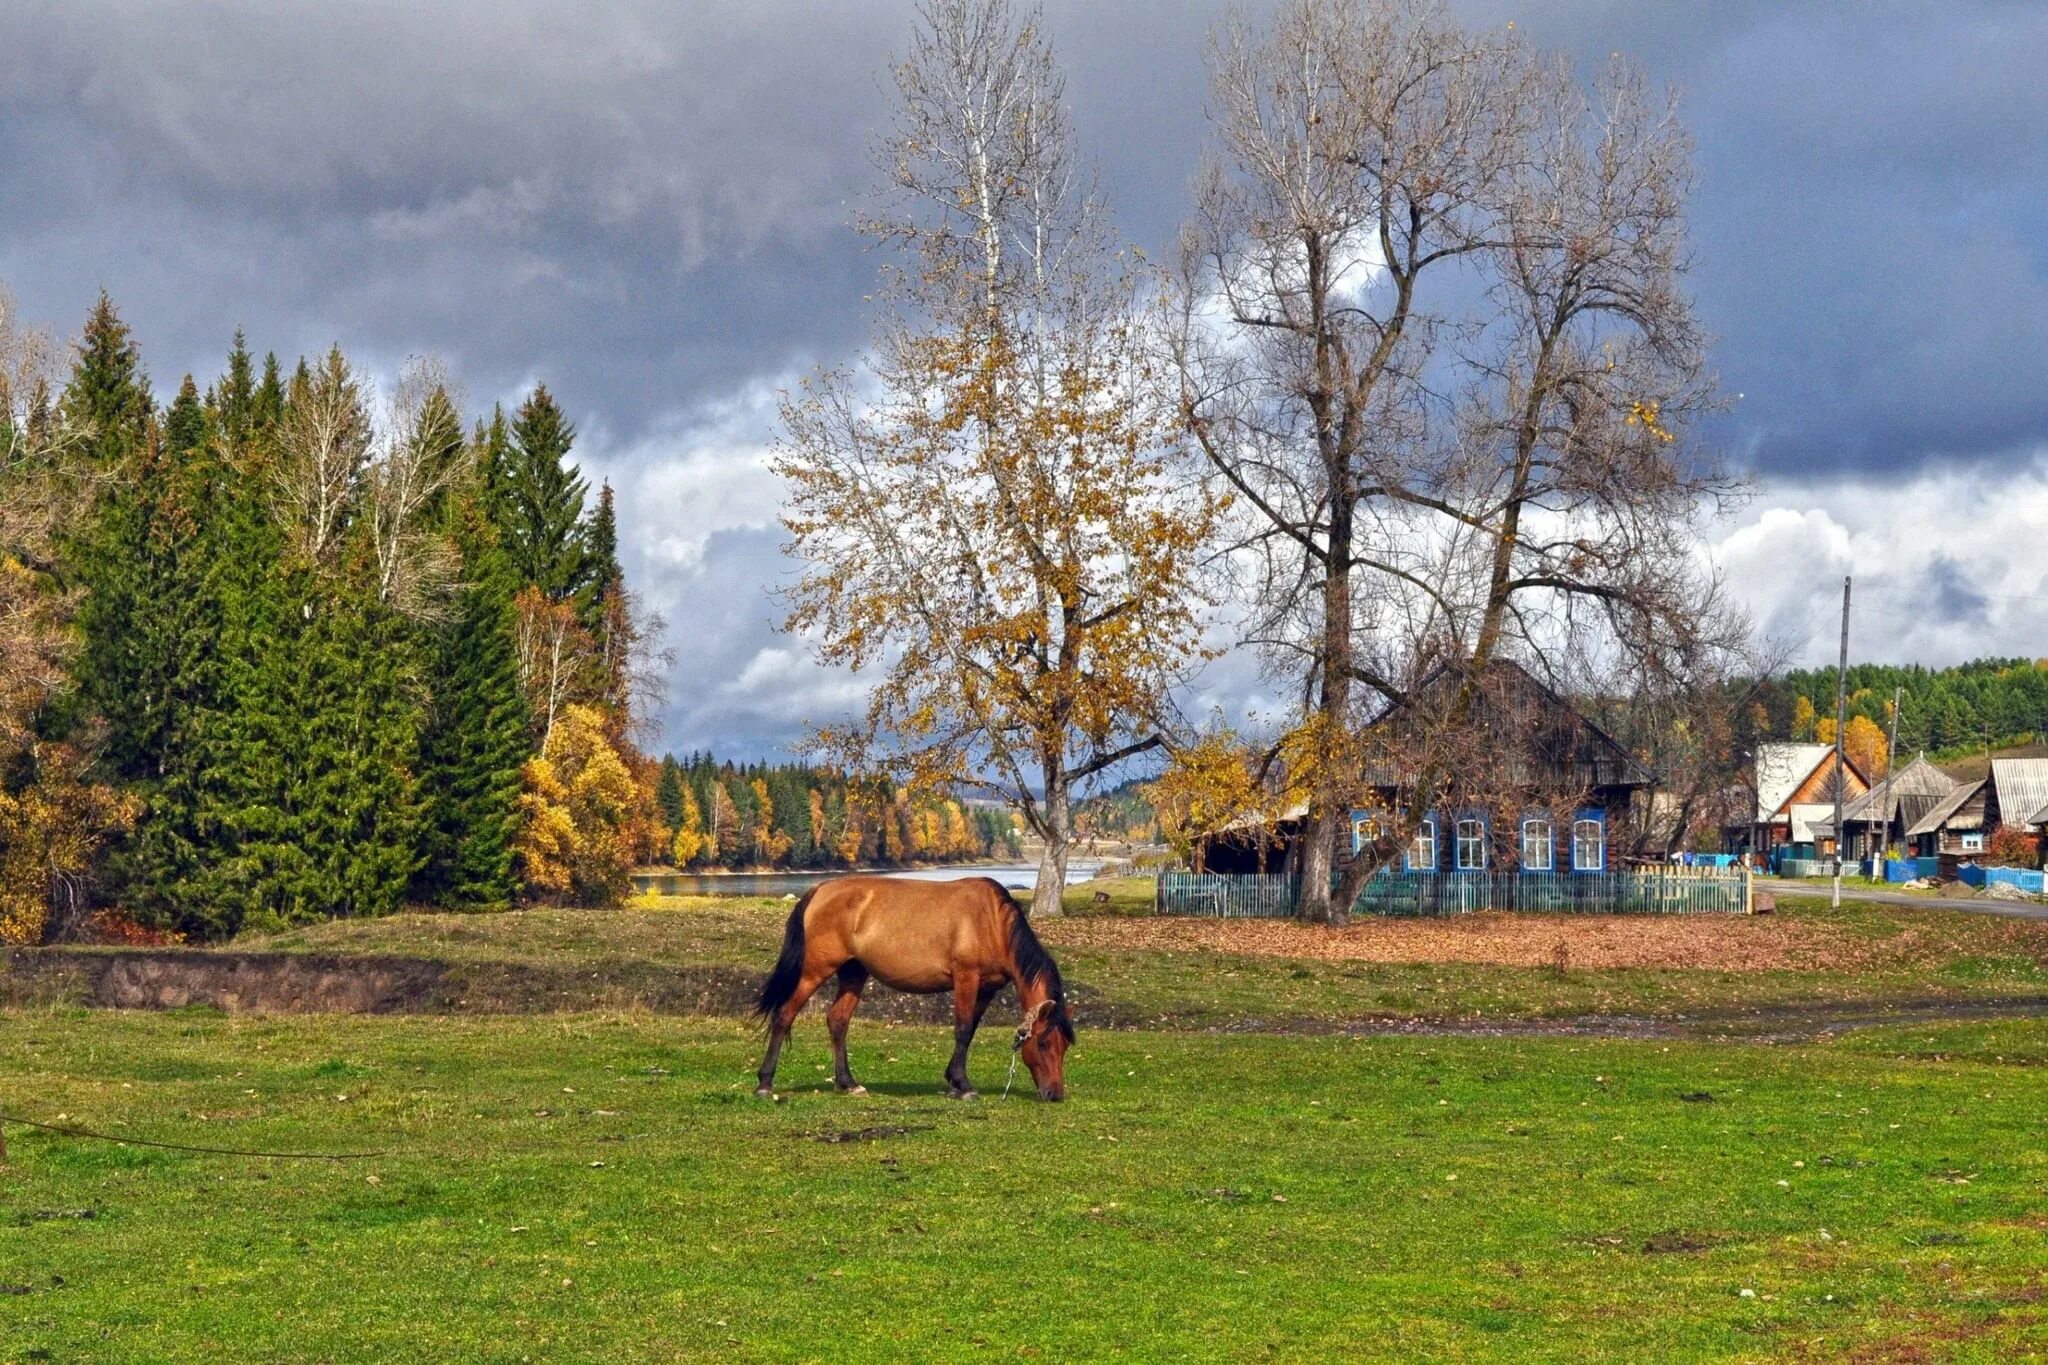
602	1185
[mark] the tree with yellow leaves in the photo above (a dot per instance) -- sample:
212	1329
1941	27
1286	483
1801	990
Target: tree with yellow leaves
577	805
1208	786
1864	743
998	530
689	840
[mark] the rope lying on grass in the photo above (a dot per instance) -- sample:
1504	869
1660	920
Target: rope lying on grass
178	1146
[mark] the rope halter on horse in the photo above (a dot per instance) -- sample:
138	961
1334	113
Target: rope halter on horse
1038	1012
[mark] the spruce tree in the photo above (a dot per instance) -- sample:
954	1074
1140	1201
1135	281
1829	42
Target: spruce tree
540	500
475	739
668	793
123	553
108	392
207	853
234	397
355	807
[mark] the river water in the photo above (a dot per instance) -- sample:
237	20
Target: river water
1018	876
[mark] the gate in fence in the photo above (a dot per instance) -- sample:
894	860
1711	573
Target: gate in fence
1659	890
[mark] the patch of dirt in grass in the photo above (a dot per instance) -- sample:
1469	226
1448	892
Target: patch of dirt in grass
875	1134
1680	1243
1715	943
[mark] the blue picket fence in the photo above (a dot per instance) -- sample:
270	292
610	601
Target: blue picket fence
1911	869
1663	890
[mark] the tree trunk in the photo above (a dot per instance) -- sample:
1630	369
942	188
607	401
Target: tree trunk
1052	863
1319	829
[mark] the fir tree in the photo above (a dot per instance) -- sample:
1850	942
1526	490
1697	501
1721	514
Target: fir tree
668	793
234	397
475	739
108	392
540	500
268	409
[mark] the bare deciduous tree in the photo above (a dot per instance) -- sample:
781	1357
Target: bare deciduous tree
1433	330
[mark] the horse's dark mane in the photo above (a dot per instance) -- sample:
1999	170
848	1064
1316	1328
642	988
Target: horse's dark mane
1034	963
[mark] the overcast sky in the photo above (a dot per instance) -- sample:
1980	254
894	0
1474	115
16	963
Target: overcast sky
647	205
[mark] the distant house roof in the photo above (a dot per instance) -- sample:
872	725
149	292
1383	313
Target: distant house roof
1905	796
1945	809
1781	770
2022	788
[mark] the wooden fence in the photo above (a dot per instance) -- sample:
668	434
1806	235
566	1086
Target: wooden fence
1635	891
1219	896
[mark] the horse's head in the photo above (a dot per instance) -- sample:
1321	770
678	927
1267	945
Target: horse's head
1043	1039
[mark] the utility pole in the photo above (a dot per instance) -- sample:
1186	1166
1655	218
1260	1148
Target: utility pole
1891	759
1841	707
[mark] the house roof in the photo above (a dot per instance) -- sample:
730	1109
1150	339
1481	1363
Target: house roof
1935	818
1570	744
1905	796
1781	770
2022	788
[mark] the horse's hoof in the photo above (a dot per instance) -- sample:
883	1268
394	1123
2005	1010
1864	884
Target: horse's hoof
766	1092
853	1090
964	1094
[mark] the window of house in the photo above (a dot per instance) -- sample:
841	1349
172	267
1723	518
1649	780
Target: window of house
1973	842
1471	846
1422	848
1589	845
1366	831
1539	845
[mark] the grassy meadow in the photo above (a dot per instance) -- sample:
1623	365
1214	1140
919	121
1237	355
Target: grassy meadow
1242	1173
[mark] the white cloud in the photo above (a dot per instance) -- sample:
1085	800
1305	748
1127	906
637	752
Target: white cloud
1946	565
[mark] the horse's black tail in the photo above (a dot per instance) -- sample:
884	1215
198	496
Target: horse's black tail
789	968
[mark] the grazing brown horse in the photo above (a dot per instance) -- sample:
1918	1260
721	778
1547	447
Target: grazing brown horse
968	937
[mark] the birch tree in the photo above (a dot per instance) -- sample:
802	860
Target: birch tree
422	455
990	515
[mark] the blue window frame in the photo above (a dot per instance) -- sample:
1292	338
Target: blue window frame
1470	848
1589	841
1539	842
1367	827
1421	856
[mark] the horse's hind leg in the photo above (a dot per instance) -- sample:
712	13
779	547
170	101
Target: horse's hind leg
779	1025
970	1002
852	978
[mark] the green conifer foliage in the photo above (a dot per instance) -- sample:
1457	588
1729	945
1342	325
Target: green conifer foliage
540	500
108	391
476	734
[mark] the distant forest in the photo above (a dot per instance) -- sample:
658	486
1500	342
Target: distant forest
1944	711
728	815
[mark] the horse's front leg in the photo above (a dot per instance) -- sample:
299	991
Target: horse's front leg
970	1002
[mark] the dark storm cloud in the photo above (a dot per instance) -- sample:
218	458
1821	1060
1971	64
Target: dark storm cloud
646	204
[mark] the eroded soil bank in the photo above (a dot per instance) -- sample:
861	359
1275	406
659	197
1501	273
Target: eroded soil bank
312	983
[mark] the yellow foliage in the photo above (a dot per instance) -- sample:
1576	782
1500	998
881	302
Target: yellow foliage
577	805
689	841
547	832
1864	743
1207	786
